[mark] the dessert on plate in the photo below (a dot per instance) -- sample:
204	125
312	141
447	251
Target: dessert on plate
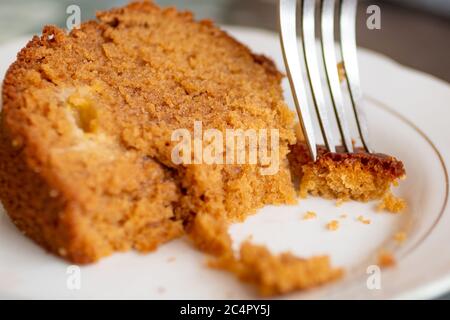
86	144
87	118
343	176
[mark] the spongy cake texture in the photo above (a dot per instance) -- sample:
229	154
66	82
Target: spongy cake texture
358	176
85	145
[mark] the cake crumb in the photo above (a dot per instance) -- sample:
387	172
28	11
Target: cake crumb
363	220
333	225
272	274
171	259
277	274
400	237
386	259
309	215
339	202
391	203
341	71
343	216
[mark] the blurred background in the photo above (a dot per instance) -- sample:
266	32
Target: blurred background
415	33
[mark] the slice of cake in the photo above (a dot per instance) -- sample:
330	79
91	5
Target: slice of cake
344	176
86	145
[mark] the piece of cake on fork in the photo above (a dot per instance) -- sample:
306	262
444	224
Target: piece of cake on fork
346	176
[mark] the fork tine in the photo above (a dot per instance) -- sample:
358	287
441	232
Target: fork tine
330	62
288	37
347	15
312	68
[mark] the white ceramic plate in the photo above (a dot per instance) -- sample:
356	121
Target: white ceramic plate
408	115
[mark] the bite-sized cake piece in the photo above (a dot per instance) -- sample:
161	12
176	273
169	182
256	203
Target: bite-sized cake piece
86	144
275	274
357	176
272	274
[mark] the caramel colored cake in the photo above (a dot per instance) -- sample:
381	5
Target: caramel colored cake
255	264
358	176
85	143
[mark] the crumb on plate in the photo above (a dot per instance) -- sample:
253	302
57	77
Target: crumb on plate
275	274
339	202
333	225
341	71
309	215
400	237
391	203
386	259
272	274
363	220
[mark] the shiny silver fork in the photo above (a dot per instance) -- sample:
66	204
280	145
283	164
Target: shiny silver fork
295	65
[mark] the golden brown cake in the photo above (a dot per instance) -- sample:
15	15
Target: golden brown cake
85	134
278	274
271	274
86	146
391	203
357	176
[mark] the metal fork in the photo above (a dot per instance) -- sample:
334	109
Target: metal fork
295	65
